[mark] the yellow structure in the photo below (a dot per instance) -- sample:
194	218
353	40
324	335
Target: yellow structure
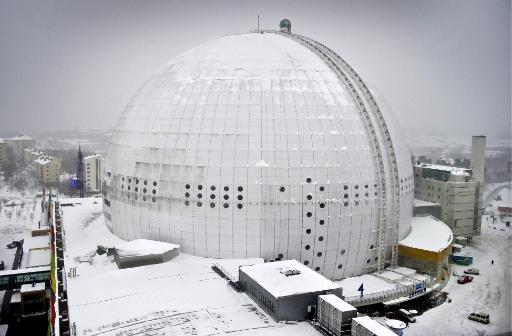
427	247
47	169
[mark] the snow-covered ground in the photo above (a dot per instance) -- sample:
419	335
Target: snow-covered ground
181	297
489	292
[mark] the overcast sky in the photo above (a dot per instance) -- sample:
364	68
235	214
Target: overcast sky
443	66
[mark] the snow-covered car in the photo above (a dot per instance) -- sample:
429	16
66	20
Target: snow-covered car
407	315
14	244
474	271
479	317
464	279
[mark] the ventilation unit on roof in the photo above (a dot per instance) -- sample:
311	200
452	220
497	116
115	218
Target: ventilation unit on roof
290	271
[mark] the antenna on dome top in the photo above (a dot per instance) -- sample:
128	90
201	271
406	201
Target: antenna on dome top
285	26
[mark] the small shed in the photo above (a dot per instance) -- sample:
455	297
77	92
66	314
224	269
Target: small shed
286	289
142	252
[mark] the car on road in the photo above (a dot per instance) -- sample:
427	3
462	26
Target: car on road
464	279
479	317
474	271
2	265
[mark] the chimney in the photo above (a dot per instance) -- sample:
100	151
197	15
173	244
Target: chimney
478	157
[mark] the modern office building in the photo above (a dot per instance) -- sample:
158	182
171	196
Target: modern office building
455	190
265	144
93	170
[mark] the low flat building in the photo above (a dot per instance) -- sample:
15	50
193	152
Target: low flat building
47	169
427	247
286	289
458	194
93	170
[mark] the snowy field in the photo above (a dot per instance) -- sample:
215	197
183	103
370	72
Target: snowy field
181	297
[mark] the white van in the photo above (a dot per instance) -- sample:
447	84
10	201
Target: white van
479	317
407	315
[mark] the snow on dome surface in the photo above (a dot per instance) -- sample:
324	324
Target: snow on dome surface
428	233
242	148
270	276
143	247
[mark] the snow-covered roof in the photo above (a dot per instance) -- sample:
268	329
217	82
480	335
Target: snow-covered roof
452	170
42	160
422	203
20	137
36	287
428	233
93	156
140	247
34	151
270	276
337	303
375	327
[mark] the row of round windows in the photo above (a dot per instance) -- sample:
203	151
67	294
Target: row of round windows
137	181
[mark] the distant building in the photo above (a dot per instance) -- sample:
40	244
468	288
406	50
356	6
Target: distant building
19	143
424	208
31	154
93	168
459	195
47	169
478	157
2	153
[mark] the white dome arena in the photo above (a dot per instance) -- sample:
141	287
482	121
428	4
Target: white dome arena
261	145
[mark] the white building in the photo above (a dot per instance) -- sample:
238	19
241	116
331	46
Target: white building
47	169
2	153
19	143
478	157
459	195
31	154
93	171
252	145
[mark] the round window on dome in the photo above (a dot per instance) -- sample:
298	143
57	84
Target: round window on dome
306	262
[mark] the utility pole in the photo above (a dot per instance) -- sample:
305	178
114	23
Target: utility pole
258	22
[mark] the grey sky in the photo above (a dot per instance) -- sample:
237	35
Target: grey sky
443	66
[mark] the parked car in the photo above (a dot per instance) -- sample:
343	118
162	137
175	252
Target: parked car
14	244
2	266
479	317
474	271
464	279
404	313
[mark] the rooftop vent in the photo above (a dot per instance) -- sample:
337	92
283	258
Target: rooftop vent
285	26
290	271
